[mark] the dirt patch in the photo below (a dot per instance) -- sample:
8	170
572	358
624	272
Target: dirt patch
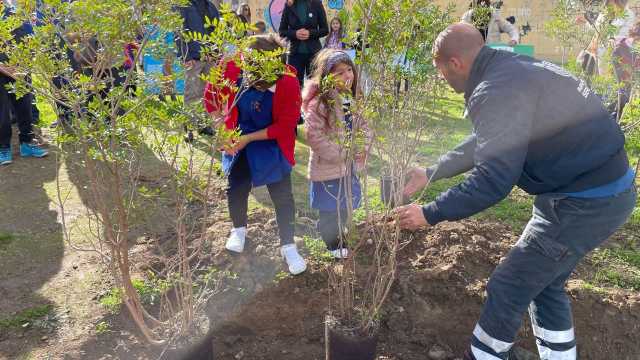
433	309
264	313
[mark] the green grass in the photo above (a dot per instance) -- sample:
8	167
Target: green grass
112	301
317	250
148	290
25	317
281	275
618	267
6	239
102	327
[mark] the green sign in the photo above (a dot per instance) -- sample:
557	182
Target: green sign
518	49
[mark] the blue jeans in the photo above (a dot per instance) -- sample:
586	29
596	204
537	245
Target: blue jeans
560	233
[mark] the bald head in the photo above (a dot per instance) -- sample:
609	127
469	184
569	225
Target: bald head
460	40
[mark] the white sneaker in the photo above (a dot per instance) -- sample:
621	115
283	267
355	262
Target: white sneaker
235	242
296	263
341	253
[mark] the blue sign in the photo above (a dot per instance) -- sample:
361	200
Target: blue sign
336	4
154	68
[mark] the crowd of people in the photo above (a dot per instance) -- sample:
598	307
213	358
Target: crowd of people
535	126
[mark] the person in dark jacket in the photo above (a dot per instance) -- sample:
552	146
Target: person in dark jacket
537	126
303	23
22	106
195	64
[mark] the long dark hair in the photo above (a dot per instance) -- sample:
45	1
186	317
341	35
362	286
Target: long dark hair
240	12
341	31
322	68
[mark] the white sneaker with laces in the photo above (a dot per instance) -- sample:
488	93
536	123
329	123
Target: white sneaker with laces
235	242
341	253
296	263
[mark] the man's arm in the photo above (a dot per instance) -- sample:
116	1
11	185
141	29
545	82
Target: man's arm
284	30
323	26
502	136
455	162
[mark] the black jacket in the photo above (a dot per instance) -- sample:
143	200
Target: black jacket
18	33
535	125
194	20
315	22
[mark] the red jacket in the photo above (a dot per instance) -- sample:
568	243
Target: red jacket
286	107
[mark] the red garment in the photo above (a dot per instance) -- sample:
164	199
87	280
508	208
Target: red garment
130	54
285	112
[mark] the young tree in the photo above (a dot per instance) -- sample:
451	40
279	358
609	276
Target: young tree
400	91
84	60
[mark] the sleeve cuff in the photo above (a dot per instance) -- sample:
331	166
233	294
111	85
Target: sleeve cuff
432	213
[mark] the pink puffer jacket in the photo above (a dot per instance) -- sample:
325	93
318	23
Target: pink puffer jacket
327	159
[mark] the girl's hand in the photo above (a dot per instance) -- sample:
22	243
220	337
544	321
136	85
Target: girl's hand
238	145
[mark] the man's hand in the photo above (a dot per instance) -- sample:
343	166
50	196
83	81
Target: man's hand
190	63
302	34
513	42
411	217
417	180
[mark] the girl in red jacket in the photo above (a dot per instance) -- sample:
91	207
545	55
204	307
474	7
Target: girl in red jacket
266	115
330	127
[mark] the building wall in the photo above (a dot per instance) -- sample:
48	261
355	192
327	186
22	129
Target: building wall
535	12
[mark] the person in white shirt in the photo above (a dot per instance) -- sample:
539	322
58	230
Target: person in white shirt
492	27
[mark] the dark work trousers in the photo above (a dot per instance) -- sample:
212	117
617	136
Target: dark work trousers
22	108
302	63
560	233
329	228
281	194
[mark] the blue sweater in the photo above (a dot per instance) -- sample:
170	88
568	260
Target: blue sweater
536	126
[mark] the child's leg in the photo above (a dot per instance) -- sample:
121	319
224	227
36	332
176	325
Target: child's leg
5	121
329	228
282	196
238	192
24	114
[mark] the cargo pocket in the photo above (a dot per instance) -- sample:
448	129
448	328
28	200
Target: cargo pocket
545	244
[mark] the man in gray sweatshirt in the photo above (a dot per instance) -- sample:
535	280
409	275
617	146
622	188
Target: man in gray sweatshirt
536	126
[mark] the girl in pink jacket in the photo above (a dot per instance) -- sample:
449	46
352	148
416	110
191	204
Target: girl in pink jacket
330	130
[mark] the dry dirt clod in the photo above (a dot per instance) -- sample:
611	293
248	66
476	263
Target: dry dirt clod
239	355
437	352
